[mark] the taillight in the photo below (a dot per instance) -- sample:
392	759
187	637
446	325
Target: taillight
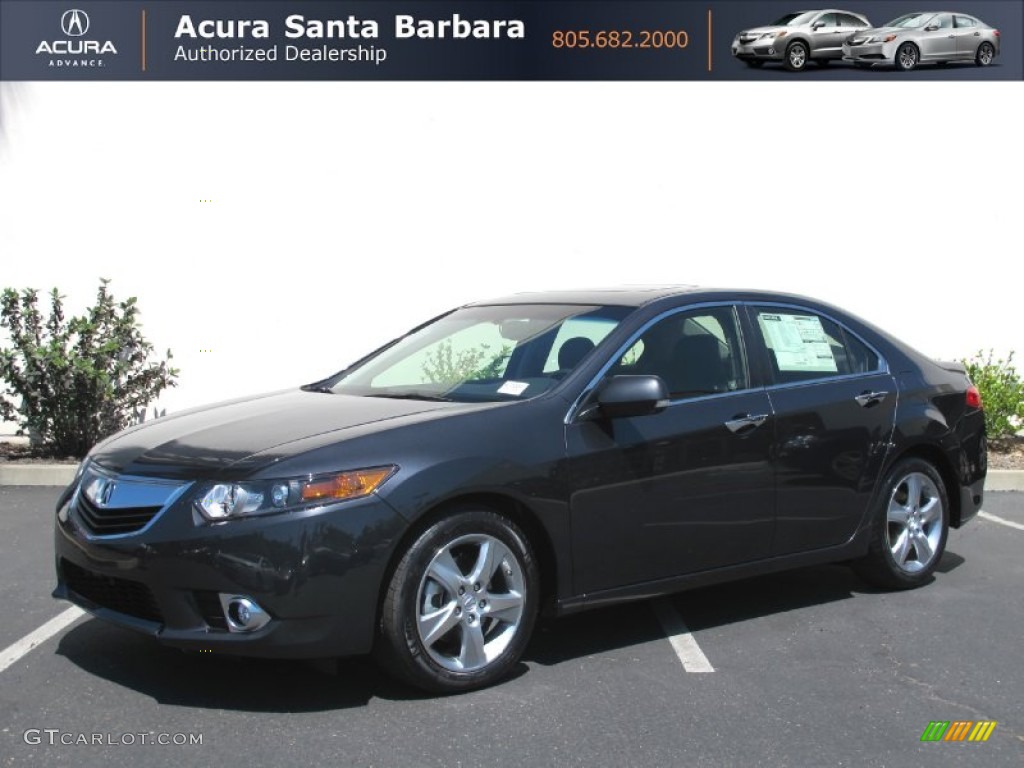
973	397
995	32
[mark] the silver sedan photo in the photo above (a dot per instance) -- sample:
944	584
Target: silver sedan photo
799	38
923	38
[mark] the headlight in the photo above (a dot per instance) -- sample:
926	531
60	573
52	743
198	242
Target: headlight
882	39
225	501
780	33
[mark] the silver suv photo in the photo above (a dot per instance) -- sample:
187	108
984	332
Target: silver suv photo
799	38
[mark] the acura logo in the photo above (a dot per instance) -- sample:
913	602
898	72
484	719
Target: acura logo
75	23
105	493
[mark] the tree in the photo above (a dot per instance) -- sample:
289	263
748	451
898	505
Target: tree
72	382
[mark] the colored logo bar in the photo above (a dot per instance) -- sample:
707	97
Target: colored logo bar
958	730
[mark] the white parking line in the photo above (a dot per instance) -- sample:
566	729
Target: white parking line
1002	521
683	643
12	653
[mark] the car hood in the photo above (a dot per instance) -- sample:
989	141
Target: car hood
761	30
255	431
880	31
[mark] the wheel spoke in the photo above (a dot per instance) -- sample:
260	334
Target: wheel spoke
488	560
445	572
437	624
930	510
923	548
897	513
901	548
913	491
506	607
472	653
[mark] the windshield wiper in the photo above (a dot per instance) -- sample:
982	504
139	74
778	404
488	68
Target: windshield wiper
412	396
317	388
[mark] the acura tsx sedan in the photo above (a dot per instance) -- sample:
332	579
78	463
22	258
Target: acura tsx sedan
923	38
797	39
544	452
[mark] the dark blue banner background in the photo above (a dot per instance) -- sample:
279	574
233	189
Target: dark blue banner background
143	36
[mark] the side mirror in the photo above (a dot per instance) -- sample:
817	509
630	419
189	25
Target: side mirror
625	396
931	28
818	25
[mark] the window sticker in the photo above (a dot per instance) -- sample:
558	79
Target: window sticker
799	342
513	387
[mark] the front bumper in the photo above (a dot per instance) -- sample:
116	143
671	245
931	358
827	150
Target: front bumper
759	50
870	53
317	573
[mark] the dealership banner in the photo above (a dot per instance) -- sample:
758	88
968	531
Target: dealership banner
872	40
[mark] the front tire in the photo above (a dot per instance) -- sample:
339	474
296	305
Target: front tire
907	57
461	604
796	57
910	527
986	53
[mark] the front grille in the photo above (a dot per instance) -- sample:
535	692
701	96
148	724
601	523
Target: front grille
128	597
748	38
109	522
211	610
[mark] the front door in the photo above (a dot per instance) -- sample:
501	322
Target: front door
684	490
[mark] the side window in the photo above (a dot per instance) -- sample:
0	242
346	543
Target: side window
943	21
696	353
803	346
847	20
827	20
965	21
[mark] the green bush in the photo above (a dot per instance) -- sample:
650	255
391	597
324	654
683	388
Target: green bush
71	383
1002	393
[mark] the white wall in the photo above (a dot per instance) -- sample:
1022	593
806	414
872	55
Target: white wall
344	213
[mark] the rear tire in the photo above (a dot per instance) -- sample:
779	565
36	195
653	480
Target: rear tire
461	604
986	53
909	529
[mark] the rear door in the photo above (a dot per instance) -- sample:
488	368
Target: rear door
834	405
968	36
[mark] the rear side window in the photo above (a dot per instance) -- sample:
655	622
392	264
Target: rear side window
966	21
804	346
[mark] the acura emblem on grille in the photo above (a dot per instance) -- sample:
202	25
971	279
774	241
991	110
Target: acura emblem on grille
106	492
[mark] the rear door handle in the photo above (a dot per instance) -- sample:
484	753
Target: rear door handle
746	423
867	399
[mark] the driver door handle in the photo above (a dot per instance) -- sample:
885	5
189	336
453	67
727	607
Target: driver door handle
867	399
746	423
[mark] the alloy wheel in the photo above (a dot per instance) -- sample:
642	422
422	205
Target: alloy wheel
907	57
797	56
470	602
985	55
914	522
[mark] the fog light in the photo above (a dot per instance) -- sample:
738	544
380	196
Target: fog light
243	614
771	51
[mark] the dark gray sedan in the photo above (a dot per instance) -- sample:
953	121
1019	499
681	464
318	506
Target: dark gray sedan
537	453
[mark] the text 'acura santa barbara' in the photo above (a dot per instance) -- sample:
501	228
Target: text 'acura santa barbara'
540	453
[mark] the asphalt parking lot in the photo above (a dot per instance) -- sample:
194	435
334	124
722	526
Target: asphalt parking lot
811	667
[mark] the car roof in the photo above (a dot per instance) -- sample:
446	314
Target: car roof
642	295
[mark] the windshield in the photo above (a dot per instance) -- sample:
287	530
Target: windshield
794	19
911	20
484	354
